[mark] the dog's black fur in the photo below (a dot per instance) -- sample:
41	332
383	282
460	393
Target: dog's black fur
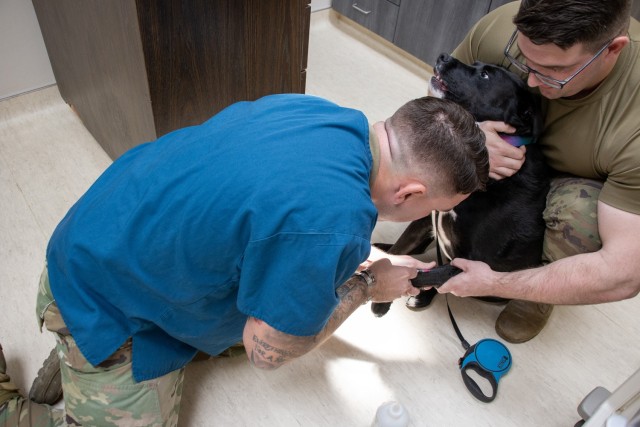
502	226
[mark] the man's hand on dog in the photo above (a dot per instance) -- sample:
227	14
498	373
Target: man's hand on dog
476	280
504	159
394	281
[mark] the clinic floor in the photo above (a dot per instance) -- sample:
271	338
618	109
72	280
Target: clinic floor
48	159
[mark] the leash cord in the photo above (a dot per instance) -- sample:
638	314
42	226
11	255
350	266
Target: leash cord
465	343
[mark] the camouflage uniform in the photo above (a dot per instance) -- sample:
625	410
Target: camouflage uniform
103	395
571	218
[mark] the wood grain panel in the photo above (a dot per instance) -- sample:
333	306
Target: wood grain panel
427	28
194	53
276	37
95	54
137	69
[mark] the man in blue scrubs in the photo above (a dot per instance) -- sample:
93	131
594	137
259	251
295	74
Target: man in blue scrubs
246	228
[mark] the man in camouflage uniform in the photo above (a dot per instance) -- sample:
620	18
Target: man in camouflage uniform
107	401
568	230
583	57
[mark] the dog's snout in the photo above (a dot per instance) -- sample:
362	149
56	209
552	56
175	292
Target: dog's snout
444	62
444	58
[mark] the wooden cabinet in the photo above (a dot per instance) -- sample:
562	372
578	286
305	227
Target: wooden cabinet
379	16
424	28
137	69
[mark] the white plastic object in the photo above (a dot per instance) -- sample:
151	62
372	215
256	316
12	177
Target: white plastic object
391	414
592	401
616	420
625	401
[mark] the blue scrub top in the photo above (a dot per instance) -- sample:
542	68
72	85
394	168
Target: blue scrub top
263	210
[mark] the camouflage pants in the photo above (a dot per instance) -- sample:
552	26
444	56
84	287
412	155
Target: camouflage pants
571	218
103	395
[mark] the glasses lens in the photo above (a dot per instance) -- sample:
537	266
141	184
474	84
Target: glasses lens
547	80
520	66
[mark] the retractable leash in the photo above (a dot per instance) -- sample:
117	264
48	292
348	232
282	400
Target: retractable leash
489	358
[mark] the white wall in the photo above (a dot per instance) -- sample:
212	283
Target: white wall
24	64
316	4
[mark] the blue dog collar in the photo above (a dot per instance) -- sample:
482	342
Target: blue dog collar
517	141
491	360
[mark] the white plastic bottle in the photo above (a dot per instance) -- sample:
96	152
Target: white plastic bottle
391	414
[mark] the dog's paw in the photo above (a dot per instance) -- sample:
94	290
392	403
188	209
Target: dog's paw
379	309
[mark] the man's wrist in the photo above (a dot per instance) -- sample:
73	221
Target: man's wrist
369	279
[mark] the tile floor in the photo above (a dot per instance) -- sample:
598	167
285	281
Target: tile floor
47	160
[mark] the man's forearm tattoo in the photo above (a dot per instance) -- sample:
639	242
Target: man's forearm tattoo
352	290
352	294
275	349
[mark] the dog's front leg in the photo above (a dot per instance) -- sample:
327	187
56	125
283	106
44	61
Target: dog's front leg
414	240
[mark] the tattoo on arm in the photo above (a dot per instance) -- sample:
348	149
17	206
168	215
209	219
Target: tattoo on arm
267	356
273	349
352	294
352	289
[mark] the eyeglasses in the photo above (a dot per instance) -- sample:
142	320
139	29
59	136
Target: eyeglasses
549	81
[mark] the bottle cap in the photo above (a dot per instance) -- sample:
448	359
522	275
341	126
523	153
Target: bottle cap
391	414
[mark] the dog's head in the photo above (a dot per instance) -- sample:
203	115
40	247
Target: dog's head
489	92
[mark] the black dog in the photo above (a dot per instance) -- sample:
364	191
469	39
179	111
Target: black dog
502	226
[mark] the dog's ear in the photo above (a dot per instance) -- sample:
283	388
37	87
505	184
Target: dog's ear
525	115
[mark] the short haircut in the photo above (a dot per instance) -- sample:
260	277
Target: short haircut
441	141
568	22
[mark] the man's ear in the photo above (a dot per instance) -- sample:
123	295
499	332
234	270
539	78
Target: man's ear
407	190
618	44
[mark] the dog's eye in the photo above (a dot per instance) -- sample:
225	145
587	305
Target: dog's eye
484	74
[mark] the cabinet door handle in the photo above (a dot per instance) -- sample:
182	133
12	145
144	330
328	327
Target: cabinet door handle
359	9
